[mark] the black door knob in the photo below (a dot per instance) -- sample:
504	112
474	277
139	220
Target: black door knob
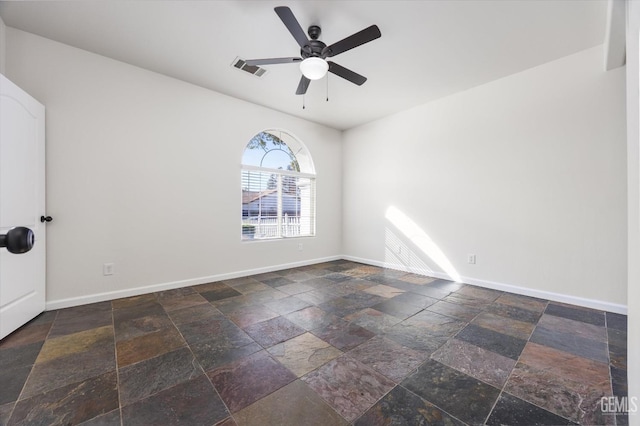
18	240
44	219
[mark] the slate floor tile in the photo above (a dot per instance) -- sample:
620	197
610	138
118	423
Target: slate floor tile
299	275
317	296
251	287
5	412
220	293
219	328
523	302
222	350
151	376
617	338
348	386
112	418
304	353
70	404
566	365
572	343
362	299
513	411
134	301
343	334
25	335
15	365
467	302
402	407
479	293
415	337
514	312
462	396
193	314
135	322
504	325
271	332
436	324
148	345
248	315
447	285
277	281
618	356
590	316
337	277
384	291
49	375
414	299
73	320
287	305
292	405
71	359
499	343
454	310
340	307
569	326
578	402
388	357
417	279
375	321
475	361
194	402
13	380
619	382
295	288
311	318
181	301
397	309
243	382
616	321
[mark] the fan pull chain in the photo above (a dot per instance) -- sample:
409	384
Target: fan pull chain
327	87
303	95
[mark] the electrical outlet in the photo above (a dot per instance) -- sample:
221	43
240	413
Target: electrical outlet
299	246
471	259
107	269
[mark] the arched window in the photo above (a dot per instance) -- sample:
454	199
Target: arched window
278	188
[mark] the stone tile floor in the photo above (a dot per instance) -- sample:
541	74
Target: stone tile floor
329	344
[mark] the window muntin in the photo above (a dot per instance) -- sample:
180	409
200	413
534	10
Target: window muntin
278	188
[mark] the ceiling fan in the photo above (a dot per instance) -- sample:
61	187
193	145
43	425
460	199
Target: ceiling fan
313	52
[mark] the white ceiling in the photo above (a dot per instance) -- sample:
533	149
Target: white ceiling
428	49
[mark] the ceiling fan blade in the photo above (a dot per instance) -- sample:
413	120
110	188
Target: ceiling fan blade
346	73
270	61
292	24
354	40
303	85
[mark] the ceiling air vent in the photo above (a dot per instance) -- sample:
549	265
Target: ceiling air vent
251	69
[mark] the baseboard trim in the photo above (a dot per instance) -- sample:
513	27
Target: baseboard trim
137	291
525	291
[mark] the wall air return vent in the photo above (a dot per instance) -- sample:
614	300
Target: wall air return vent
251	69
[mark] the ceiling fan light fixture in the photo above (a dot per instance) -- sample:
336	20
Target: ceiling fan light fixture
314	68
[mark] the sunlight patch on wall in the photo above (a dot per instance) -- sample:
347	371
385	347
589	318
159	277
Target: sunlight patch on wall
398	255
410	231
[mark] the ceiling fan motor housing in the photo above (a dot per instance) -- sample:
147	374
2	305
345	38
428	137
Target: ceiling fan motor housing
315	48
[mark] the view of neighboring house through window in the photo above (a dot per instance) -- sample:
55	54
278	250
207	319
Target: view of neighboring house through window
278	188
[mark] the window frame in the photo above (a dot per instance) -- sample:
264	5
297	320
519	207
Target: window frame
280	173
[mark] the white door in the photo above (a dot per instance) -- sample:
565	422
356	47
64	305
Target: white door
22	276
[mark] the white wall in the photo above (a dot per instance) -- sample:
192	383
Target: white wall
144	171
633	172
527	172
